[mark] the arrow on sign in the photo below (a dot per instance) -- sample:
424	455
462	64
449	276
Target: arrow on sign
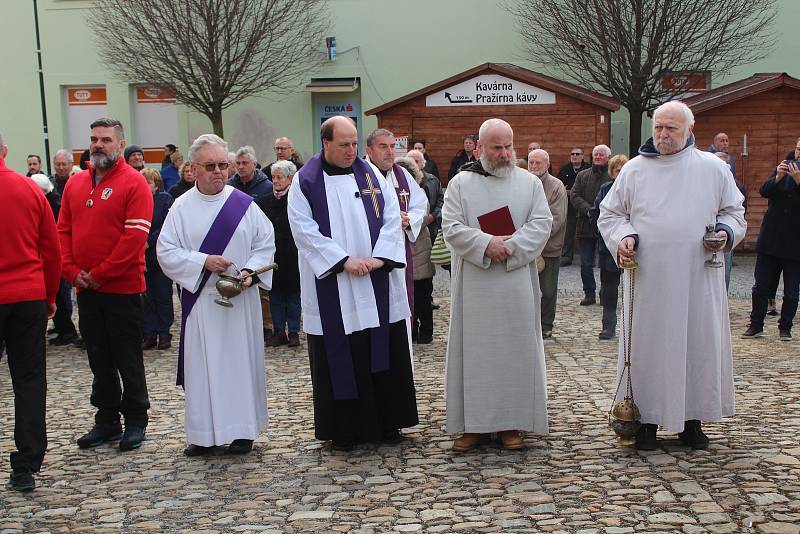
458	100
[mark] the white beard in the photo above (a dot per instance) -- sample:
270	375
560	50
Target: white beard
501	170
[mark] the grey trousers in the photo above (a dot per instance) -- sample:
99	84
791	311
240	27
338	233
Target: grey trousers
548	283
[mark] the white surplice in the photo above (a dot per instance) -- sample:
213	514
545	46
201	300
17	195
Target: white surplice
681	360
224	379
349	237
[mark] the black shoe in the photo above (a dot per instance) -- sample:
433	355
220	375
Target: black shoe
240	446
64	339
392	437
425	340
547	334
785	335
99	434
646	437
51	331
589	299
435	306
563	262
772	309
605	334
199	450
343	444
693	436
80	343
753	331
132	438
22	481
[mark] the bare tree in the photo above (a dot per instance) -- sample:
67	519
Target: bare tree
625	47
212	53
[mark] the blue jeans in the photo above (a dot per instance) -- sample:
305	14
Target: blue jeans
159	313
588	247
62	320
285	309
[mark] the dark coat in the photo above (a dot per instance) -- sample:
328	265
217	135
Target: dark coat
433	189
170	176
606	260
58	184
582	197
287	276
567	175
431	167
259	186
162	202
180	188
459	161
780	230
54	199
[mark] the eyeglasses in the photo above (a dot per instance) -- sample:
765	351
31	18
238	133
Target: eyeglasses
575	154
223	165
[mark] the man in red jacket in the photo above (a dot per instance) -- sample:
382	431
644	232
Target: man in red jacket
30	272
103	225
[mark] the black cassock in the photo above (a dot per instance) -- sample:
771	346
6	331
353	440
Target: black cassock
386	400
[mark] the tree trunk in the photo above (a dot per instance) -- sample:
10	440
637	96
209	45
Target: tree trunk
216	121
634	131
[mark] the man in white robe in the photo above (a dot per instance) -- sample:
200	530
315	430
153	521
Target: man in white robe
657	212
411	199
345	221
495	356
208	230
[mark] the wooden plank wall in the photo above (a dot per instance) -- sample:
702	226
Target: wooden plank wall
771	121
558	127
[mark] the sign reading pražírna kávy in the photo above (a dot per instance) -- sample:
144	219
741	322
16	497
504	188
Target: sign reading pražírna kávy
490	90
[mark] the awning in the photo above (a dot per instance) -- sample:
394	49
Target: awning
332	85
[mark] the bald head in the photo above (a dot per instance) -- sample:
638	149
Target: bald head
494	127
284	148
538	162
339	141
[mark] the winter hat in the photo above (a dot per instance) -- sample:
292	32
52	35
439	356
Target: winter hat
43	182
132	149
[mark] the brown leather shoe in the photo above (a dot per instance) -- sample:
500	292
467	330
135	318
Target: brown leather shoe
511	440
276	340
469	441
149	342
165	342
294	339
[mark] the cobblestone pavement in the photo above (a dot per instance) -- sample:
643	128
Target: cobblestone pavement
576	479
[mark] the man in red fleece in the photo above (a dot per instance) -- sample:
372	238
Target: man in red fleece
103	226
30	271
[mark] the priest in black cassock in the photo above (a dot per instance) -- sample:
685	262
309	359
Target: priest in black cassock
345	220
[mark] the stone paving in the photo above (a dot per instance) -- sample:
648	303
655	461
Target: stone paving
576	479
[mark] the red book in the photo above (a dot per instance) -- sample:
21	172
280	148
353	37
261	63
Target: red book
497	222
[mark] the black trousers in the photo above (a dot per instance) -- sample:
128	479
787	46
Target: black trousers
609	294
62	320
767	274
422	324
111	326
22	328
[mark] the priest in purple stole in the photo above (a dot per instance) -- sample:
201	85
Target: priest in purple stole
345	221
221	356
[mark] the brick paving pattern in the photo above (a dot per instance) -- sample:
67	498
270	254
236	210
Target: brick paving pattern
576	479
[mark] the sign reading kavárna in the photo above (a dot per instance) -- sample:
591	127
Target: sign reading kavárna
490	90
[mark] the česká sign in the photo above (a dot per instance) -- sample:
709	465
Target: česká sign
490	90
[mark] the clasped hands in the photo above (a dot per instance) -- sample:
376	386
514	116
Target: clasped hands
84	280
497	250
219	264
362	266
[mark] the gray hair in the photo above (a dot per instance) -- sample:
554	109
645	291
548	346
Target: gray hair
378	133
602	148
106	122
676	105
204	141
247	150
232	157
286	168
43	182
62	152
489	124
411	166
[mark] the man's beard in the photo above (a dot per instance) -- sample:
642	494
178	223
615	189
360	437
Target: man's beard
501	169
101	160
666	147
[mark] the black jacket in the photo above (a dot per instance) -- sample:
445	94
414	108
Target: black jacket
431	168
780	230
162	202
567	175
433	189
287	276
459	161
180	188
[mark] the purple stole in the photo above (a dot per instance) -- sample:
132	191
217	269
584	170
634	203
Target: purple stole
402	185
215	242
336	342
